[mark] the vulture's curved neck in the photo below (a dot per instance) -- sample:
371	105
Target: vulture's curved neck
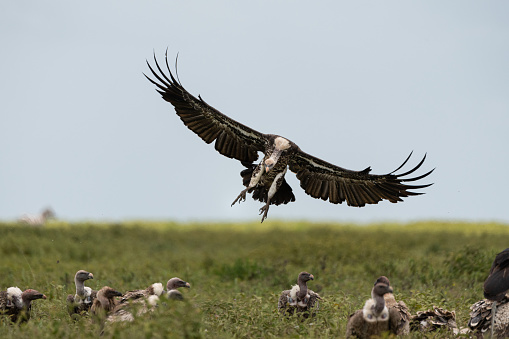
379	303
80	287
303	289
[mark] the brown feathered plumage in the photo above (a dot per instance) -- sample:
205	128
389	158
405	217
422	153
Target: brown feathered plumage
17	305
105	302
265	181
375	317
494	310
299	299
433	319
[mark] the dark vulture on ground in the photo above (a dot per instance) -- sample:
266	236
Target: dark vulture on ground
375	317
172	288
81	302
492	313
16	304
299	299
266	180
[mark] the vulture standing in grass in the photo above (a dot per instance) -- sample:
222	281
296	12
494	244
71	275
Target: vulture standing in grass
492	313
375	318
17	304
402	314
299	299
105	302
155	289
142	300
81	302
172	285
266	180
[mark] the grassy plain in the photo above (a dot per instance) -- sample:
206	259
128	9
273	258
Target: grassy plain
237	271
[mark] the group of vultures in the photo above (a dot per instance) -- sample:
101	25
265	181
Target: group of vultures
380	314
266	182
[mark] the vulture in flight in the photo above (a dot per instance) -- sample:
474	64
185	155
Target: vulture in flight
266	180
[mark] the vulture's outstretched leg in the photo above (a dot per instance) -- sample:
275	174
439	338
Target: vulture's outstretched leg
242	196
255	178
276	184
265	210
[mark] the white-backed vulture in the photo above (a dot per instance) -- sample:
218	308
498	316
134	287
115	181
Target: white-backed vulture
156	289
80	303
375	317
492	313
141	300
299	299
16	304
266	181
172	288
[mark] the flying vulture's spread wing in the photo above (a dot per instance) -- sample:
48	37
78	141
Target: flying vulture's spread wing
323	180
233	139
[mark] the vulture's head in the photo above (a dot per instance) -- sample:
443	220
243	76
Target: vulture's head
305	277
175	283
280	145
380	289
30	295
82	275
383	280
108	293
269	163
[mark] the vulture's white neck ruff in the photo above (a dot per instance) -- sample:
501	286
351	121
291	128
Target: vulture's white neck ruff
158	289
281	143
368	312
153	300
294	300
14	295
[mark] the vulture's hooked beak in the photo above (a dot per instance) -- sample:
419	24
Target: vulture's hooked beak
188	285
90	276
268	167
312	277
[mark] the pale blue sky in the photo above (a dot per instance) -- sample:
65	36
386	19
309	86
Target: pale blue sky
355	83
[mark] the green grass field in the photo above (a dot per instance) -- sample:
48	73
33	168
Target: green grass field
237	271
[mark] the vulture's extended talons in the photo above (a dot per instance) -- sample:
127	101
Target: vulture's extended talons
241	197
264	210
